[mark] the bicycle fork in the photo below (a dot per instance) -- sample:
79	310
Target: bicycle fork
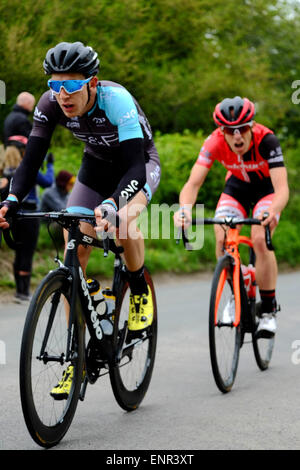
234	264
80	295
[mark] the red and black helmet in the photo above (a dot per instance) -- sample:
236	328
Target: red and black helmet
233	112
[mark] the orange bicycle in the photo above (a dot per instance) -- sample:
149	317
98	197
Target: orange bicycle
233	310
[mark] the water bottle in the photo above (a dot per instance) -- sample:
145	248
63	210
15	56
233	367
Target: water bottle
97	296
249	280
110	301
100	305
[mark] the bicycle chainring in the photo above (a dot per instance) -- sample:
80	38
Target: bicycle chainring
94	362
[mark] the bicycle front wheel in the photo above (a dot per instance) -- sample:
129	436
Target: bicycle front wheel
130	376
44	359
224	338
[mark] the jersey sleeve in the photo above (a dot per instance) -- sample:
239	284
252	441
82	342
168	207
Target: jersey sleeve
206	155
122	112
270	150
45	116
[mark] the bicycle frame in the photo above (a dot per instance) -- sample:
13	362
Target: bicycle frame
80	299
232	242
231	247
80	290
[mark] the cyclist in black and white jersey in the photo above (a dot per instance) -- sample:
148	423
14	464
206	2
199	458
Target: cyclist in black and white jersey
120	168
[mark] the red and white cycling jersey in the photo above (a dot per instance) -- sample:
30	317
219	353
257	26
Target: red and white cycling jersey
264	153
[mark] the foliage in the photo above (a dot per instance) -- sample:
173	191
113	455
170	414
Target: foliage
178	153
178	58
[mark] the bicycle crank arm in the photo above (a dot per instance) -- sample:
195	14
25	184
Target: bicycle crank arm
122	342
83	389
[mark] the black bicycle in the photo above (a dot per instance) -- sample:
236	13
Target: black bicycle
63	329
234	310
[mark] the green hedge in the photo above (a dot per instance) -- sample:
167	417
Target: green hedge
178	153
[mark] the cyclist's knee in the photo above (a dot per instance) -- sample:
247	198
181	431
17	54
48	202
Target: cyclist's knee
219	247
259	242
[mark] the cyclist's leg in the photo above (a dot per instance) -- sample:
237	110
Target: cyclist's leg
228	206
266	266
129	235
131	238
83	200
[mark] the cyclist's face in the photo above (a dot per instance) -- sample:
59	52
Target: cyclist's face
75	104
239	143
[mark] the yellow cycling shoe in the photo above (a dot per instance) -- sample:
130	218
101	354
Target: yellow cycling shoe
140	311
62	390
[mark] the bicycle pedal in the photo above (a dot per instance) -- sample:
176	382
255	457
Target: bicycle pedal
264	334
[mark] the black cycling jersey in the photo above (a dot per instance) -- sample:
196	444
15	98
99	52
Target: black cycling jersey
115	130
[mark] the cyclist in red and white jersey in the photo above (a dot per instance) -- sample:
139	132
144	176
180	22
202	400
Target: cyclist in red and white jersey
256	179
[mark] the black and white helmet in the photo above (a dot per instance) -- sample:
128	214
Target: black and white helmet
73	57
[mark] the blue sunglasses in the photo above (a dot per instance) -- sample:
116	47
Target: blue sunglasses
70	86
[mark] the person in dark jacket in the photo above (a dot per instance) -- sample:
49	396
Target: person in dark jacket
56	197
17	121
25	231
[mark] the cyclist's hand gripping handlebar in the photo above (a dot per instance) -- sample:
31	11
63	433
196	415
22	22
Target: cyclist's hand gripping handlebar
111	217
181	231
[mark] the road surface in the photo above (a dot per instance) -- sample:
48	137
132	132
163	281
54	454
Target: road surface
183	409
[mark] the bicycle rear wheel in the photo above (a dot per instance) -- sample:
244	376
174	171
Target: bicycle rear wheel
224	338
262	347
130	376
44	358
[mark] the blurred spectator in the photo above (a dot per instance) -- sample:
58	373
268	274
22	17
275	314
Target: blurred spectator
17	122
1	158
25	231
55	198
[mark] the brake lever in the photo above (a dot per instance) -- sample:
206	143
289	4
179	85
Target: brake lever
181	234
268	237
105	234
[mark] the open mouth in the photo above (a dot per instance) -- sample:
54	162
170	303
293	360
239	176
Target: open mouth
238	146
68	107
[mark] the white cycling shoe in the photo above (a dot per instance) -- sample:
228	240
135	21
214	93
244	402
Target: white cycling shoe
267	326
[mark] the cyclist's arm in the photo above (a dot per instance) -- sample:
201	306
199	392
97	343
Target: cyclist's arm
132	164
271	150
279	180
189	193
122	112
204	162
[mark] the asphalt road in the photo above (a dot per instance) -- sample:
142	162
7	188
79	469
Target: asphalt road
183	409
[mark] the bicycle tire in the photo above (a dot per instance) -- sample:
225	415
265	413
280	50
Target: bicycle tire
223	334
47	419
262	347
129	378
